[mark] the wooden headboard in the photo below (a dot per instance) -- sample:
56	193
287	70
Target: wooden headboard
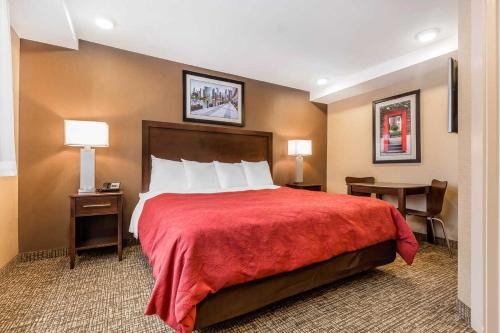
201	143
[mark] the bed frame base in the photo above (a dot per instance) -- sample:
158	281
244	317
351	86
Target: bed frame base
237	300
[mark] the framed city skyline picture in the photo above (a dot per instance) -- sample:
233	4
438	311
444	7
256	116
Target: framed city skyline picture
211	99
396	129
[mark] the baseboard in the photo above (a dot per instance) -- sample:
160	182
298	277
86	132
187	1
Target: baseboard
438	241
463	311
6	268
42	254
59	252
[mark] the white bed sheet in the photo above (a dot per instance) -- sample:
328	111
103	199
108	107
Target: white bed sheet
143	197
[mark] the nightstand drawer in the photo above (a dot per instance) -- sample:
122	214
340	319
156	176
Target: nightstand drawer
96	205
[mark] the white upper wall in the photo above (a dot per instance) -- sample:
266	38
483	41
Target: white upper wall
46	21
288	42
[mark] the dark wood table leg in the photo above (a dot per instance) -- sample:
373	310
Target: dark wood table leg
378	196
430	233
402	201
349	189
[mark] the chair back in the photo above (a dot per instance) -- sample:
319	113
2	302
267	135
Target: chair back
364	180
435	197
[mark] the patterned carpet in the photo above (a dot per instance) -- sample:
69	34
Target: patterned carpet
104	295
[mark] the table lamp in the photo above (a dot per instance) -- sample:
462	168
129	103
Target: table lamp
86	134
299	148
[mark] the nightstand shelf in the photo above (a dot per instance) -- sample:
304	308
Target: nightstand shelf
97	242
96	222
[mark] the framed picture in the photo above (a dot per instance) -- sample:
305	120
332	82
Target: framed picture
396	129
214	100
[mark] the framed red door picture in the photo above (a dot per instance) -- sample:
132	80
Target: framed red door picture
396	129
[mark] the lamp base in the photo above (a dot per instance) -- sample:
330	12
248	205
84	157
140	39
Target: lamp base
83	191
87	170
299	170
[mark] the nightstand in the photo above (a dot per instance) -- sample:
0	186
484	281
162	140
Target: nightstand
96	221
303	186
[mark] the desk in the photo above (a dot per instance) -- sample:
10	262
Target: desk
400	190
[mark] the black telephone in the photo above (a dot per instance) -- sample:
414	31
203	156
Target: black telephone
109	187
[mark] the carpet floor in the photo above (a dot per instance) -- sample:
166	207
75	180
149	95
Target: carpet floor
104	295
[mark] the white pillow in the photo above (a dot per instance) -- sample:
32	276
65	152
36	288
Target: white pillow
167	175
201	175
257	173
230	174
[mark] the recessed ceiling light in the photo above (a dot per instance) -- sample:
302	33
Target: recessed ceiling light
427	35
104	23
322	82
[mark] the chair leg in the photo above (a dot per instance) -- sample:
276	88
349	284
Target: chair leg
444	233
433	230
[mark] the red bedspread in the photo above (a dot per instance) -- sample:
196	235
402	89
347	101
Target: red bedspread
200	243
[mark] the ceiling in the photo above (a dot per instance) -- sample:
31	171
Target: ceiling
288	42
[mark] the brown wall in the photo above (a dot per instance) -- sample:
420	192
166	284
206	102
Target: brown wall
123	88
8	185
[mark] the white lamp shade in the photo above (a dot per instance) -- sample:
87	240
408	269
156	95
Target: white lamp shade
299	147
86	133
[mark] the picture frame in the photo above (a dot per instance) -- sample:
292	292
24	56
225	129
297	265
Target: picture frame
396	129
213	100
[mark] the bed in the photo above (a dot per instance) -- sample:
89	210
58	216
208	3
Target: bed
211	246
